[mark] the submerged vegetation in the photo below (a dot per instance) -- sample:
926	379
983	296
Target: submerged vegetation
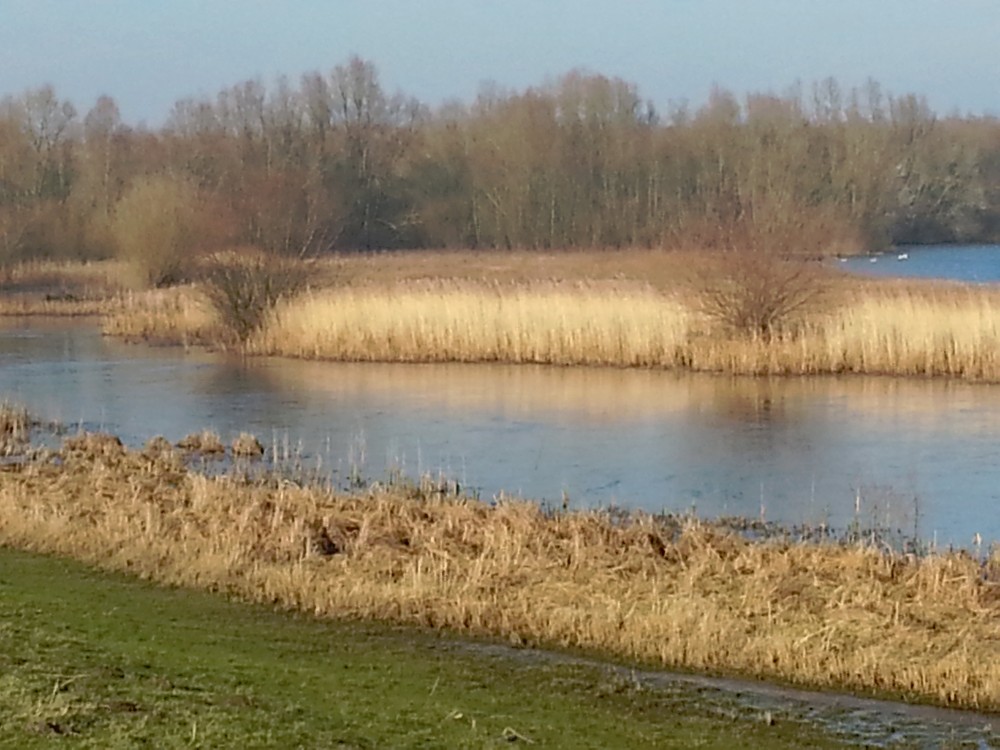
662	591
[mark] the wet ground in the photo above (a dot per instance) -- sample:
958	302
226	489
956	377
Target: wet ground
866	722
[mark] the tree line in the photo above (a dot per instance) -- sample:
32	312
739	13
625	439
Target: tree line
335	162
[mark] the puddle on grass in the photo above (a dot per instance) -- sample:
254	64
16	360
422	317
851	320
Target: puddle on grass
866	722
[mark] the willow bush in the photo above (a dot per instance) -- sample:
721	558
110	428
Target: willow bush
243	286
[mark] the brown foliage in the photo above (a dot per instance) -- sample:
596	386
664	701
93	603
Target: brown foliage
760	281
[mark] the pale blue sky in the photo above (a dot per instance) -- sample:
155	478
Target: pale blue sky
149	53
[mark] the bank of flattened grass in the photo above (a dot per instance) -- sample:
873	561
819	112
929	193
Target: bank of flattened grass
678	594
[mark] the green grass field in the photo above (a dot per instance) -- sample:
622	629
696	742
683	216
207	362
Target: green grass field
89	659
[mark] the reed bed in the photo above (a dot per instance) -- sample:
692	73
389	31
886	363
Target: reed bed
948	331
677	593
65	288
538	323
94	277
936	329
661	269
168	316
58	305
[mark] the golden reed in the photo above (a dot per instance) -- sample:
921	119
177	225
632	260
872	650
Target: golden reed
945	330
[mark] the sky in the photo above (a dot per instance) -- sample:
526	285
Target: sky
148	54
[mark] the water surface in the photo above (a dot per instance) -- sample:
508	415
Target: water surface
971	263
916	455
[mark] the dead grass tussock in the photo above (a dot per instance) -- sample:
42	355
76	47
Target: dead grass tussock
678	594
15	426
246	445
14	419
206	443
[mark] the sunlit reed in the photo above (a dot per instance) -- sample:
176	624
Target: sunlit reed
547	324
883	328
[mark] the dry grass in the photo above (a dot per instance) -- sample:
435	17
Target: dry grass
206	443
949	331
95	277
17	305
246	445
15	426
659	269
538	323
678	594
171	316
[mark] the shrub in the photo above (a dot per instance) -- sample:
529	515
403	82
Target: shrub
243	286
754	294
155	228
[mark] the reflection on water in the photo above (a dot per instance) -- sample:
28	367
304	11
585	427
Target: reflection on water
910	453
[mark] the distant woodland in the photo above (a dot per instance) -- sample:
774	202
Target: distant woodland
334	162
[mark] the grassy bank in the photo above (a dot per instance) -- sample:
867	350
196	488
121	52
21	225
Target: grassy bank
664	592
104	661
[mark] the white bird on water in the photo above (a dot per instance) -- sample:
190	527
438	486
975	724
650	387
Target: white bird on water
903	256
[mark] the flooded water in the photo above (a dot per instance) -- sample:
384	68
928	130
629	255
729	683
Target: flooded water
919	456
